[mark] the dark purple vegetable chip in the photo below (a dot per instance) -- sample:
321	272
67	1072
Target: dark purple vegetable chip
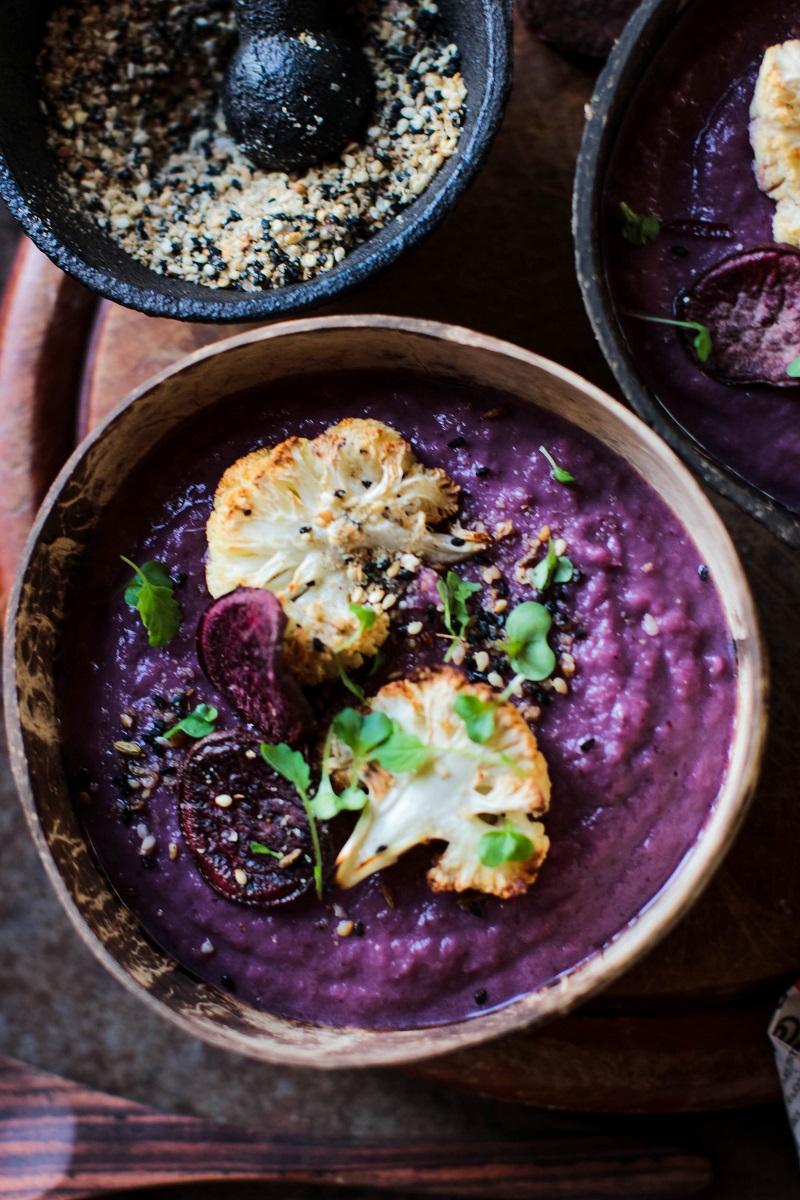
264	811
588	27
240	647
750	303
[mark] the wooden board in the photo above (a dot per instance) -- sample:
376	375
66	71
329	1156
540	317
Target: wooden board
686	1029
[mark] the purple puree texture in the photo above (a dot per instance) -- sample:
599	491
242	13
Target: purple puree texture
683	153
653	713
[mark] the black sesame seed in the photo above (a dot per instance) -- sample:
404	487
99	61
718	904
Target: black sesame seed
228	983
381	849
318	644
457	541
305	529
358	929
476	908
481	996
456	442
589	744
340	493
147	862
704	573
501	587
679	251
180	579
158	700
482	472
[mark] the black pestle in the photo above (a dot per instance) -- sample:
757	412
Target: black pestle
299	87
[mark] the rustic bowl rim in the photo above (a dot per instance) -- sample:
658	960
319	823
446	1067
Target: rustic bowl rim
405	231
624	70
371	1047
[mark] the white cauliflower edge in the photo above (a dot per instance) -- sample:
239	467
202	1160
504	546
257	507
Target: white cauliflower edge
775	136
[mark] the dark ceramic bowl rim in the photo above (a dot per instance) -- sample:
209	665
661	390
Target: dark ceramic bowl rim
405	231
583	404
621	75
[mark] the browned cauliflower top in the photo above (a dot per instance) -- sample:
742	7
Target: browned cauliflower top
301	518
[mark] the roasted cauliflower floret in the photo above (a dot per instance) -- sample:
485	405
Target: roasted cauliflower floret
299	519
462	792
775	136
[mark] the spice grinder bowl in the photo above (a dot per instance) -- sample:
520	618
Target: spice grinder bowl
29	181
56	555
628	66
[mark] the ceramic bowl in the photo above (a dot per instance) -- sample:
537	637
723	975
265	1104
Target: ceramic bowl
54	556
664	42
482	29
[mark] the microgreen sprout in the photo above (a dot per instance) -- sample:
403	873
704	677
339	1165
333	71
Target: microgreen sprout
366	618
198	724
150	592
553	568
260	848
294	768
504	845
638	228
526	643
793	369
558	473
702	334
455	592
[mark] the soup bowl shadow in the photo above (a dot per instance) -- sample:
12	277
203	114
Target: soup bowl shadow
29	182
35	628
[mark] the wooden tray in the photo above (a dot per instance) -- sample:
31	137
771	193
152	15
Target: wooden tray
686	1029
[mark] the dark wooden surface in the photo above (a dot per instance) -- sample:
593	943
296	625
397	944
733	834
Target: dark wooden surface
59	1009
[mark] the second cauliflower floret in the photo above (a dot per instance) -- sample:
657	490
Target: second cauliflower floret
459	792
301	519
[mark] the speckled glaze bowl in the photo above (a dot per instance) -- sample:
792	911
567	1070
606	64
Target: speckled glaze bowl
55	555
635	55
482	29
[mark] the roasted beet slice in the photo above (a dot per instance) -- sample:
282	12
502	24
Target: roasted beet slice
228	766
750	303
588	27
240	646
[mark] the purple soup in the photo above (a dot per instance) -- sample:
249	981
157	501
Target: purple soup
637	747
683	154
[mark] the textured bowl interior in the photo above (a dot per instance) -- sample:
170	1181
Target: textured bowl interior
55	555
28	180
626	67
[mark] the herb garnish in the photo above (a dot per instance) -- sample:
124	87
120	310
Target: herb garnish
526	645
366	619
477	715
553	568
260	848
793	368
294	768
454	593
362	734
701	341
198	724
151	593
558	473
504	845
640	229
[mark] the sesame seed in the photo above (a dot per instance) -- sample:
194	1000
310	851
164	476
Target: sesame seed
560	685
207	947
223	800
481	660
130	749
458	655
650	625
560	547
240	876
173	850
388	601
414	628
495	679
345	928
148	844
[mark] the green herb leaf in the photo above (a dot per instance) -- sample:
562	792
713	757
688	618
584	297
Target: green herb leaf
701	341
377	663
478	716
327	804
366	616
260	848
401	752
151	593
361	733
529	654
504	845
552	569
355	689
292	766
558	473
455	592
198	724
793	368
639	229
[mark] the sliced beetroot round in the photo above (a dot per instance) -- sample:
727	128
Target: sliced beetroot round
588	27
240	647
750	303
264	811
